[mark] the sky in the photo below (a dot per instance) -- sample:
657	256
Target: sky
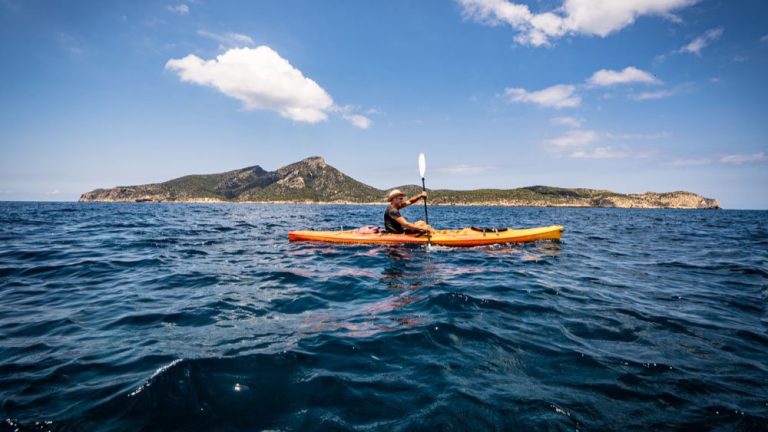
628	96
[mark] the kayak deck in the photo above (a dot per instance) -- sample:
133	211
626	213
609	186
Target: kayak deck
458	237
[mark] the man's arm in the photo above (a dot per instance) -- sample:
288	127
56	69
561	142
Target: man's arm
414	199
405	224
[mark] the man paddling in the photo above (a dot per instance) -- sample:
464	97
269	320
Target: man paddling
395	223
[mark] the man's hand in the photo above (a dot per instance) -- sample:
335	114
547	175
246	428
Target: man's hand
423	195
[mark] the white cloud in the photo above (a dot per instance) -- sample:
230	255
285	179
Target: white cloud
357	120
347	112
567	121
589	144
740	58
663	93
652	136
566	96
652	95
581	17
228	40
463	169
598	153
690	162
574	138
261	79
602	17
701	42
764	39
606	77
180	9
739	159
557	96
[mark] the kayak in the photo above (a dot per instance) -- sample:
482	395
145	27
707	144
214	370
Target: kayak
457	237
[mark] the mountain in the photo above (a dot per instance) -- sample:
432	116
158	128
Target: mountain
308	180
312	180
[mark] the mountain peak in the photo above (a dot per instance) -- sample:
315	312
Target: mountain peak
314	161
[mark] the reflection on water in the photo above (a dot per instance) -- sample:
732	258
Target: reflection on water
405	270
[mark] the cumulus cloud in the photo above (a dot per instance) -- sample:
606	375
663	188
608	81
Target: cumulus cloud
557	96
630	74
578	17
739	159
261	79
180	9
701	42
228	40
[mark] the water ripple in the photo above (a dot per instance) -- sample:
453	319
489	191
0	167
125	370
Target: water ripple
200	317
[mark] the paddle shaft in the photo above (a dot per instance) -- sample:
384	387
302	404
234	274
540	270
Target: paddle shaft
424	189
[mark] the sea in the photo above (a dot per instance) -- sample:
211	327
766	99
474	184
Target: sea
204	317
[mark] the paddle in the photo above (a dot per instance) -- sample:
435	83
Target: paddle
422	170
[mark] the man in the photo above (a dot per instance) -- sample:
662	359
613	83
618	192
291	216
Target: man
395	223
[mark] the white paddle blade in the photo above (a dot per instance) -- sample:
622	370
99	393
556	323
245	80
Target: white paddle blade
422	165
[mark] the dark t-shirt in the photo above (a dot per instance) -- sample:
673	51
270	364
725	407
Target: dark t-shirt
390	224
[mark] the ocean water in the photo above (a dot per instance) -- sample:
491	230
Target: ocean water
204	317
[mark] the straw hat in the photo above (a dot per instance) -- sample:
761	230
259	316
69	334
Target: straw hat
394	193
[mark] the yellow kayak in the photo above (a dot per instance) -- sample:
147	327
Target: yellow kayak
457	237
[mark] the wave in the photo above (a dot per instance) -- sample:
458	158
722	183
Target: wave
200	317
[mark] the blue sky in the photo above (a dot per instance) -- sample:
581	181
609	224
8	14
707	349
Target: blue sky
648	95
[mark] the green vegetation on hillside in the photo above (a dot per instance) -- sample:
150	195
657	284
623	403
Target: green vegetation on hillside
312	180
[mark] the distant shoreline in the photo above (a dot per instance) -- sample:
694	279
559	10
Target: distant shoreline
312	181
350	203
365	204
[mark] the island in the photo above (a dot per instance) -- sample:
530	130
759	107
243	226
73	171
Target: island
312	180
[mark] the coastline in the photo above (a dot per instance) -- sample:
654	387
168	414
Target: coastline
383	203
312	181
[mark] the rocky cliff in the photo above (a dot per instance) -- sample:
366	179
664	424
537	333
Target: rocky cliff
313	180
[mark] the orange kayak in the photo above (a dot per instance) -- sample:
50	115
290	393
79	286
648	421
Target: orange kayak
457	237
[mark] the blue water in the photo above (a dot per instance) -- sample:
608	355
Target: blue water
204	317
